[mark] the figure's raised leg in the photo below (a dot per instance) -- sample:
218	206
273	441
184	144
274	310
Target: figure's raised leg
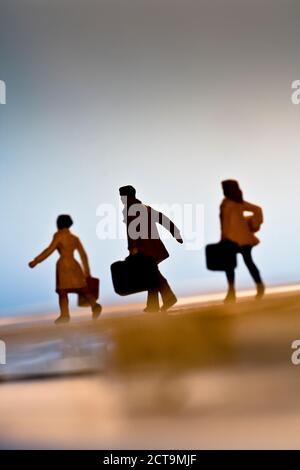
168	296
95	306
246	252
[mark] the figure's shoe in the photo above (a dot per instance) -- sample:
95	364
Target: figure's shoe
62	319
230	298
96	309
151	310
169	303
260	291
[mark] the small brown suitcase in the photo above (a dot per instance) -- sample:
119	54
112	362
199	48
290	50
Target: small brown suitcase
93	285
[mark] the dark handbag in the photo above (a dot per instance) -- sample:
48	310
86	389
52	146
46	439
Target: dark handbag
137	273
221	256
93	285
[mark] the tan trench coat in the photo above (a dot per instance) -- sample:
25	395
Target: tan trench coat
69	274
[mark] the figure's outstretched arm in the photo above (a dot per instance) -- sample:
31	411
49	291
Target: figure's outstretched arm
44	254
257	212
84	259
168	224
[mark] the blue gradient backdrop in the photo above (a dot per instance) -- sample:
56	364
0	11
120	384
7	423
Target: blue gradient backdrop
170	96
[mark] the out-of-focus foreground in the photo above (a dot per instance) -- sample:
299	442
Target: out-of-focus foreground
208	376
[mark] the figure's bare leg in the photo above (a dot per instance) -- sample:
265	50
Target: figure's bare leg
64	308
95	306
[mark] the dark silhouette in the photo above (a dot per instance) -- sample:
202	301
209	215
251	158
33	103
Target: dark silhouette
238	228
143	238
70	276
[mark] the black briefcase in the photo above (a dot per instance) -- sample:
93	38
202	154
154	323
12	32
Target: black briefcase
221	256
137	273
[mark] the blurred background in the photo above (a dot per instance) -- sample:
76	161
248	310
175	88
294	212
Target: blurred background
169	96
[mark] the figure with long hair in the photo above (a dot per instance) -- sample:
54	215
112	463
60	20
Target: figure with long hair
240	229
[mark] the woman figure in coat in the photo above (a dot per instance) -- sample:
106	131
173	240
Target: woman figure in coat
70	276
240	229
